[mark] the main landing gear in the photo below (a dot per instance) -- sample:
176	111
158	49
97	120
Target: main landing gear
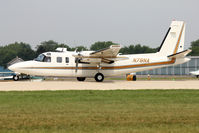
81	78
99	77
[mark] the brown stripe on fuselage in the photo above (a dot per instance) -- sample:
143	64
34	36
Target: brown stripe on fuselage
141	65
107	67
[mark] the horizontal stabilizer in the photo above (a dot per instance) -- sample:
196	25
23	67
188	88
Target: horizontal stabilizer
180	54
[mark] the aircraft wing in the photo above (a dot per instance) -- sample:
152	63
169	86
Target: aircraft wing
107	55
110	52
180	54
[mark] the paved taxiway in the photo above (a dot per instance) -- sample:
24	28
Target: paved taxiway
92	85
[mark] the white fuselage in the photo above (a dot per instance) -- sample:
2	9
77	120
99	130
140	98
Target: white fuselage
68	68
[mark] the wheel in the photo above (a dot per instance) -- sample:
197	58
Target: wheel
99	77
197	76
15	77
81	78
134	78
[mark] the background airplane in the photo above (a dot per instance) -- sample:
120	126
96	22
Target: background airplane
196	73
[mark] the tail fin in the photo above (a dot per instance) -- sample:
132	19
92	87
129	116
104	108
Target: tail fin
174	39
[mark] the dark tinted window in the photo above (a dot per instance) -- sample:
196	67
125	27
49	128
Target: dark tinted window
47	59
59	59
67	60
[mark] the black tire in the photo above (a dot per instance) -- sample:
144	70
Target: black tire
15	78
99	77
81	78
197	76
134	78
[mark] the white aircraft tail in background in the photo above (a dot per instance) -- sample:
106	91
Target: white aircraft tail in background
107	62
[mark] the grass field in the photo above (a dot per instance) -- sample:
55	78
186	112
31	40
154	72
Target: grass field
121	111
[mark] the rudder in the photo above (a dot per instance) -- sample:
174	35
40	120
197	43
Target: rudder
173	42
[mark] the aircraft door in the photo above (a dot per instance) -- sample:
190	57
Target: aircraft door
69	66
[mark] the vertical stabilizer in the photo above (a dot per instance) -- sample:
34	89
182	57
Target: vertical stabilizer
173	42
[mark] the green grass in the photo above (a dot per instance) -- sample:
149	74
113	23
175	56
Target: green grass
121	111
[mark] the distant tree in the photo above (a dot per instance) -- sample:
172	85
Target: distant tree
124	50
22	50
101	45
136	49
64	46
195	48
49	46
79	48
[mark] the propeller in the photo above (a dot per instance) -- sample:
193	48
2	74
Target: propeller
77	60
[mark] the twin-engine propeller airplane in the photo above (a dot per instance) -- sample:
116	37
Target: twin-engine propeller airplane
106	62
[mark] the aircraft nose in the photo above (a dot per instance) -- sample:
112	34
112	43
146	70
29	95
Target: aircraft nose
12	67
20	66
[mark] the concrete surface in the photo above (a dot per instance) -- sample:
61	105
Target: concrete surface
92	85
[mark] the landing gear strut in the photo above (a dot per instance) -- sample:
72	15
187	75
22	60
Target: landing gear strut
134	78
81	78
99	77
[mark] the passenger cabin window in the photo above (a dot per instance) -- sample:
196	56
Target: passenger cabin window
59	59
67	60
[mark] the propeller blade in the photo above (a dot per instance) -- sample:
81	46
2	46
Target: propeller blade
76	61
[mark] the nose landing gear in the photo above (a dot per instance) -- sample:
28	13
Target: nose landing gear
15	77
20	77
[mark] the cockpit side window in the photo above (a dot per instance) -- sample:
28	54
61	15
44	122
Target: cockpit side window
43	58
47	59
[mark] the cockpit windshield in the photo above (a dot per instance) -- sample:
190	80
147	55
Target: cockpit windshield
40	58
43	58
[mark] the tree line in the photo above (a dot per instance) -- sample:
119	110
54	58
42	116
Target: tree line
24	50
